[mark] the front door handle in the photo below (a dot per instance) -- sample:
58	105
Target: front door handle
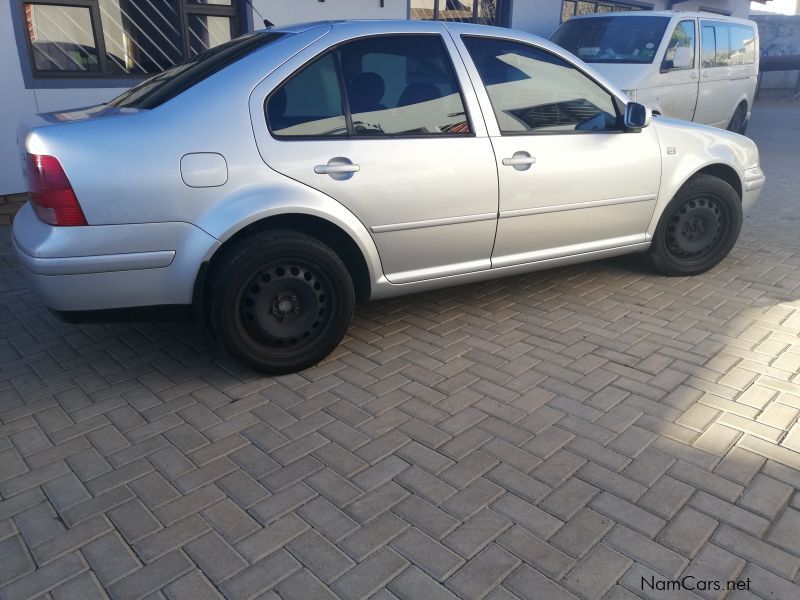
521	161
338	168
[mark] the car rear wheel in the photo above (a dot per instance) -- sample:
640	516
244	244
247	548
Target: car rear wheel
281	301
698	228
738	122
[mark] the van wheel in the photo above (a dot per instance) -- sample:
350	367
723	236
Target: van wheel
280	301
738	123
698	228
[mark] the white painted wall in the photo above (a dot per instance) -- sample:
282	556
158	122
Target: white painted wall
738	8
541	18
18	103
285	12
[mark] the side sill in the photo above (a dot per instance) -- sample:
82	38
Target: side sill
136	314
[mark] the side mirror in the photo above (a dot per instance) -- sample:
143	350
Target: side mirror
637	116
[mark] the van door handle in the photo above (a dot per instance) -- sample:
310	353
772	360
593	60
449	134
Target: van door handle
338	168
521	161
693	76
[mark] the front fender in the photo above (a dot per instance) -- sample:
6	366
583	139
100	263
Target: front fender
687	148
254	203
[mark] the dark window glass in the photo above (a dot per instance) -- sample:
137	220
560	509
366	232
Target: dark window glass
206	31
61	38
157	90
533	91
680	50
467	11
139	37
402	85
309	104
612	39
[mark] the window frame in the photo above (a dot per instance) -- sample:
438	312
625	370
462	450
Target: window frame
696	27
103	74
350	136
502	13
616	101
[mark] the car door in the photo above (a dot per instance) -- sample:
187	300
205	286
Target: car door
678	77
572	181
381	124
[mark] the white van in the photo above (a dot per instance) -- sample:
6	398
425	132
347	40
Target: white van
700	67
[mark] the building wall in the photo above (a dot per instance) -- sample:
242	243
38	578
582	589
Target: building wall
537	16
19	103
541	18
284	12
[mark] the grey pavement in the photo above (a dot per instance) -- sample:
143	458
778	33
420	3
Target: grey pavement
572	433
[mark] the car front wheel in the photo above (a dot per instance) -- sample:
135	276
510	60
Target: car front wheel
280	301
698	227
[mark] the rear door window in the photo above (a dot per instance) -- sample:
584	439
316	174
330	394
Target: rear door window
400	85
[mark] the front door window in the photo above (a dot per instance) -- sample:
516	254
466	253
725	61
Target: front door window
533	91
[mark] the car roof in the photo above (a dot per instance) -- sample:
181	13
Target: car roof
379	25
681	14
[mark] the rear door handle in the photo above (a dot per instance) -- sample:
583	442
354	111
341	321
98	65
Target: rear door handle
338	168
521	161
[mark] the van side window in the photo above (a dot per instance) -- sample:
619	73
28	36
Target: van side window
680	50
743	45
709	46
728	44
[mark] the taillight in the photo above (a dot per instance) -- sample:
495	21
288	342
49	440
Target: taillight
51	193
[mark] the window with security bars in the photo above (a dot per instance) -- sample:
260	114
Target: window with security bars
466	11
119	38
571	8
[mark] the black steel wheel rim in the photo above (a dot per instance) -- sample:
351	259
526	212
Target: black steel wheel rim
285	306
695	228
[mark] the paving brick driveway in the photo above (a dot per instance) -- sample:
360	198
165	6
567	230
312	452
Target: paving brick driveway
565	433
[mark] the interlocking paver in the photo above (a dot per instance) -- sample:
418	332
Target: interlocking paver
560	434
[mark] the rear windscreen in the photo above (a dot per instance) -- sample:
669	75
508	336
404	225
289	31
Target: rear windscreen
168	84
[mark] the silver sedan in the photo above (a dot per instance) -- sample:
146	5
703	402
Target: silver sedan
265	185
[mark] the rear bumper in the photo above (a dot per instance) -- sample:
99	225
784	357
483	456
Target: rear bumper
102	267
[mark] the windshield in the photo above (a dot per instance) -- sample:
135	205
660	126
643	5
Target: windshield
168	84
613	39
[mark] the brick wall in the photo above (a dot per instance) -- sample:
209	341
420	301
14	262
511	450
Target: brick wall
9	205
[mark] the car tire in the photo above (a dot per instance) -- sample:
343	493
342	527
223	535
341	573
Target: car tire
698	228
738	122
280	301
